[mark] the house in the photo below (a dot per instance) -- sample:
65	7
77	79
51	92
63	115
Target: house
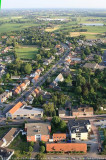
15	77
79	129
33	94
38	131
59	137
27	82
37	91
91	65
4	96
5	153
62	112
9	137
17	90
30	99
59	78
82	111
23	86
66	147
34	80
22	111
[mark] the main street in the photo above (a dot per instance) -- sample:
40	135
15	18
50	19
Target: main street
38	83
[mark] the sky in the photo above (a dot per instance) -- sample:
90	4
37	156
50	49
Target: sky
53	3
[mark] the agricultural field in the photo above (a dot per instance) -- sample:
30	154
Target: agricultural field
51	29
26	52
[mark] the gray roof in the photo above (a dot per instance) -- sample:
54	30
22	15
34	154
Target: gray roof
37	128
78	126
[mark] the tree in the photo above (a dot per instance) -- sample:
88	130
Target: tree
78	90
48	108
55	120
30	149
63	126
85	92
28	68
42	149
7	76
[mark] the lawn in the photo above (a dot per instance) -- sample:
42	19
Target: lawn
26	52
20	147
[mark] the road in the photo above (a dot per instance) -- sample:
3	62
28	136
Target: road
38	83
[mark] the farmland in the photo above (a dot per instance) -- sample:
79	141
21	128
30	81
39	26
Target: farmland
26	52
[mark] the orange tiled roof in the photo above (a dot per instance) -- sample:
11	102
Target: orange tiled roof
38	70
36	77
36	91
68	60
16	107
22	85
57	135
66	147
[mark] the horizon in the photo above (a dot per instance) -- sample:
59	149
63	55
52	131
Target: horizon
47	4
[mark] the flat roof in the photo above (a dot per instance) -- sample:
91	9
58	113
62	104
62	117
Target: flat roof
37	128
28	110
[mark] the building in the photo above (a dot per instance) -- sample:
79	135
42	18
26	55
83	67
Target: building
59	137
82	111
4	96
9	137
79	129
6	154
34	80
66	147
38	131
22	111
23	87
62	112
17	90
59	78
91	65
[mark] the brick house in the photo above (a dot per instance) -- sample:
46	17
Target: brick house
59	136
38	131
66	147
82	111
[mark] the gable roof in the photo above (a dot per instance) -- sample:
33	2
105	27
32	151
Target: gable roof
16	107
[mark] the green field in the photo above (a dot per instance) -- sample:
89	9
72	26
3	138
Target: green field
14	27
26	52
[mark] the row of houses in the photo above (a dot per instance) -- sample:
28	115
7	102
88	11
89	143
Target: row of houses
78	130
22	87
83	111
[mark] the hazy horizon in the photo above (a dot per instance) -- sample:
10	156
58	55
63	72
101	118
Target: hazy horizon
55	4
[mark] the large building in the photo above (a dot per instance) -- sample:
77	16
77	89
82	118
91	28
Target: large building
38	131
9	137
4	96
22	111
82	111
79	129
66	147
